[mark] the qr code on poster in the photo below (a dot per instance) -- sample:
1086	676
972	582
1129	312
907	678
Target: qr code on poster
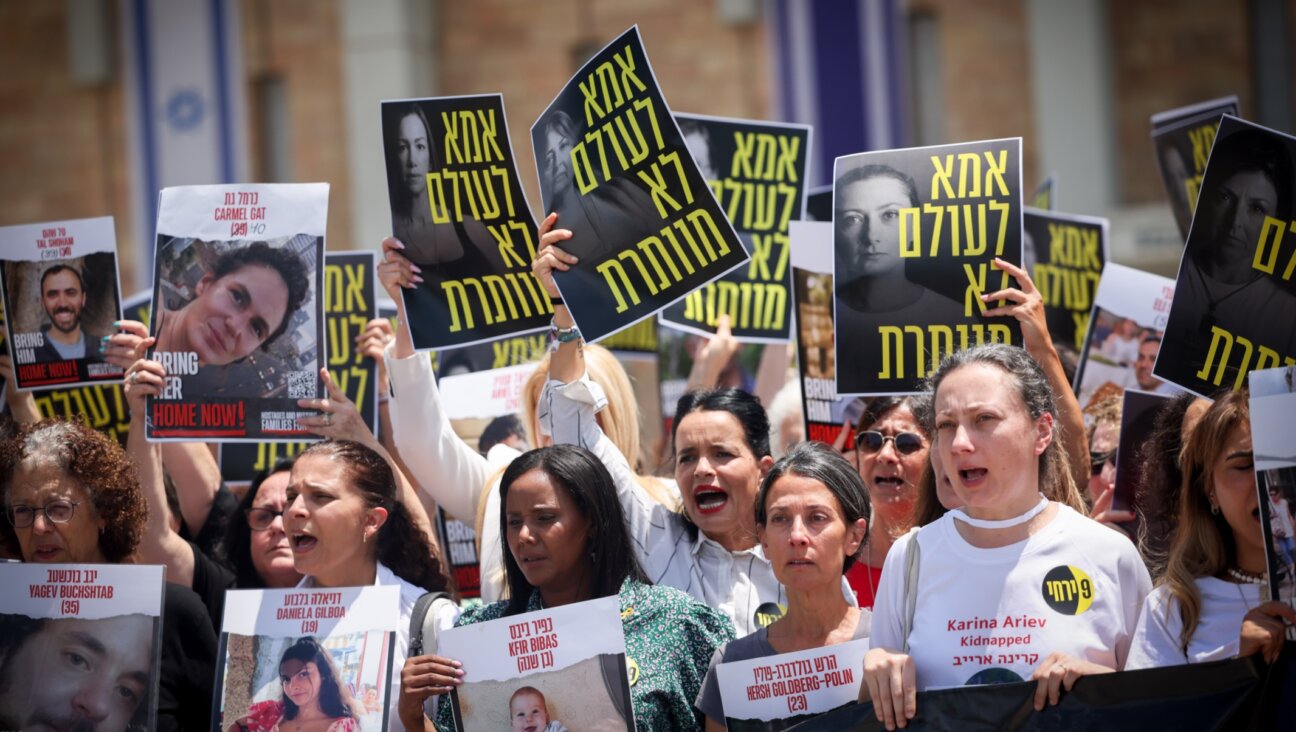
301	384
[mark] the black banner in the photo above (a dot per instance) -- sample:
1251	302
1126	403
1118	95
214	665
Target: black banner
757	172
614	167
915	233
1069	255
1183	138
458	207
1238	694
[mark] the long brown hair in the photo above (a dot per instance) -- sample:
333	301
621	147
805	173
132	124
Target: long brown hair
1203	544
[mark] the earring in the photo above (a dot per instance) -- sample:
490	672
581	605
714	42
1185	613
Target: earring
1214	505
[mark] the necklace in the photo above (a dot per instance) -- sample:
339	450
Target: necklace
1208	318
1245	577
1007	523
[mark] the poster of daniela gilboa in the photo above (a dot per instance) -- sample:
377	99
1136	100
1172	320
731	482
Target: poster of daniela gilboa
757	171
61	298
292	658
915	235
1235	296
562	668
80	646
615	168
237	310
458	207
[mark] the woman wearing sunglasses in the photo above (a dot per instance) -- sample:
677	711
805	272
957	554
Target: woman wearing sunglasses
891	449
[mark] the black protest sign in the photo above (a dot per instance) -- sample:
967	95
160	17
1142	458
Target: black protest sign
1045	195
1182	139
915	234
349	305
1235	296
1069	255
757	172
458	207
615	168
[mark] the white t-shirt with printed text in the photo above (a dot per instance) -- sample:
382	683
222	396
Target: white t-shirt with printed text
993	615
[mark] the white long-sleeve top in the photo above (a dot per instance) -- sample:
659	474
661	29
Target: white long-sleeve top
739	584
442	464
1219	625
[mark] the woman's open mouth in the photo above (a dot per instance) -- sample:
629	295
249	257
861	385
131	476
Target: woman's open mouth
303	543
889	482
972	477
710	499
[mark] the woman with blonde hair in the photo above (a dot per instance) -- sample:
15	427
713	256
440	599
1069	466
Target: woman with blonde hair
1208	606
458	477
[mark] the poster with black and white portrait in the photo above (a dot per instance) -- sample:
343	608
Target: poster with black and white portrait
1183	138
80	645
757	171
1069	254
1235	295
458	208
614	166
61	298
238	311
915	235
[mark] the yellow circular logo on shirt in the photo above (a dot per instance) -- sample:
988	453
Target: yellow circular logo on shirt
767	613
632	669
1068	590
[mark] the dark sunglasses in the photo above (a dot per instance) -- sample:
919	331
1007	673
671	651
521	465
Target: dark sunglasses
259	519
905	443
1097	460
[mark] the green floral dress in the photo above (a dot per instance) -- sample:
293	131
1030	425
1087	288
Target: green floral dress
669	637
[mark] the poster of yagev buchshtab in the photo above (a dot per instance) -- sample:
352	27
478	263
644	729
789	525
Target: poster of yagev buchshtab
614	166
565	664
778	692
349	304
757	171
1069	253
268	638
81	646
1182	139
1234	309
237	311
826	414
915	235
458	207
61	298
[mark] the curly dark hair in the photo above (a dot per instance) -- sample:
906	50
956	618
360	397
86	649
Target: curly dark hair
95	462
289	266
403	547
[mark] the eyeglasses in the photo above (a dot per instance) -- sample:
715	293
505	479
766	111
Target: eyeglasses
57	512
905	443
1099	460
259	519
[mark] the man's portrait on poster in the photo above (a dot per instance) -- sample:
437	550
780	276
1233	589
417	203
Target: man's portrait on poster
59	310
242	311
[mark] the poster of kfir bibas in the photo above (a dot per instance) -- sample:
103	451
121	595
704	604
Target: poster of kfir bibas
1069	254
757	171
1183	138
915	235
458	207
1235	298
614	166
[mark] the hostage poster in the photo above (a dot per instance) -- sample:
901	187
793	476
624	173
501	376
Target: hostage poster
1069	254
237	310
614	166
565	665
915	234
61	297
778	692
1273	422
80	646
1235	296
1124	334
311	652
1183	138
458	207
349	305
826	414
757	172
